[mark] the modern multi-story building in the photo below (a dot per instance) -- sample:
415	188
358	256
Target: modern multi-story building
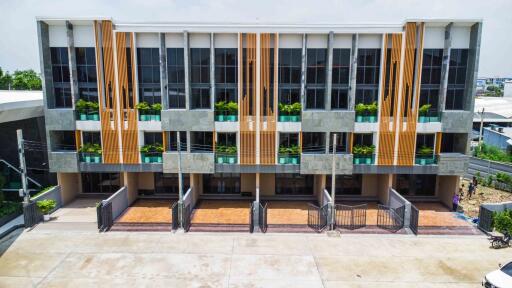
256	107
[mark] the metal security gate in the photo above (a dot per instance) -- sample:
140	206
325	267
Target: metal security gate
391	219
415	216
175	216
263	217
350	217
485	219
251	217
31	215
186	217
106	217
317	216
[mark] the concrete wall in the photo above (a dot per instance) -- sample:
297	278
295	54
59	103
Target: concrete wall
130	181
196	183
370	185
63	161
267	184
453	164
447	186
328	121
190	163
60	119
457	121
384	181
319	186
248	183
187	120
146	181
70	186
322	164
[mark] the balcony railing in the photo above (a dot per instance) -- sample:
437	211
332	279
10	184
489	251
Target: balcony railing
88	157
225	116
288	159
431	116
364	159
150	115
88	115
151	157
288	118
221	158
426	159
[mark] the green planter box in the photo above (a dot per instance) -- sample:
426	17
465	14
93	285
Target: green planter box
219	118
149	117
82	116
288	160
288	118
220	159
232	118
151	158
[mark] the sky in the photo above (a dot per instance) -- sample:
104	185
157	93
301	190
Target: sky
18	34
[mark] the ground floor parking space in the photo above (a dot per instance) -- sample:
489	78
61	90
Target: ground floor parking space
435	218
221	215
88	259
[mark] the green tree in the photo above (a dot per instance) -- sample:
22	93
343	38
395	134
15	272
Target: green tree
5	80
26	80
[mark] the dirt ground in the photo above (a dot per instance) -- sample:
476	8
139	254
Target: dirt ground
482	195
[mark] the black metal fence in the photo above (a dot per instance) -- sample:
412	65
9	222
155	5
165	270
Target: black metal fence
31	214
175	216
350	217
485	219
317	216
415	216
263	217
251	217
391	219
99	218
106	217
187	213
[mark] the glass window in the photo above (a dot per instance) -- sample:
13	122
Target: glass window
455	93
226	73
313	142
63	140
172	142
227	139
315	78
107	183
431	77
176	77
200	98
425	140
201	141
294	184
149	75
221	183
152	138
365	139
346	184
339	98
288	139
289	69
168	183
341	142
91	138
200	78
416	185
86	69
367	79
61	77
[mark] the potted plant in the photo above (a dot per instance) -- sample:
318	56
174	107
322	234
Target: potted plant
220	108
283	153
231	152
81	107
368	151
372	111
294	151
152	153
360	111
295	110
144	109
232	108
220	149
91	153
423	111
283	112
46	206
156	109
425	154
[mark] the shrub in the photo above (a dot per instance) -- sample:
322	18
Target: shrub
292	150
152	148
424	109
220	106
45	206
232	107
230	150
290	109
363	150
143	106
156	107
489	152
8	208
90	148
425	151
372	108
83	106
504	178
360	109
502	221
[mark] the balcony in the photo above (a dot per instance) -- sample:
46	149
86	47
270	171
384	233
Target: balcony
366	113
289	112
226	111
88	115
151	157
365	159
422	159
89	157
293	159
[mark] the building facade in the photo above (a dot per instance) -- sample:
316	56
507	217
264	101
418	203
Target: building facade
253	110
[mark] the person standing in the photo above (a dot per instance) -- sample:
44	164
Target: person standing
471	189
455	202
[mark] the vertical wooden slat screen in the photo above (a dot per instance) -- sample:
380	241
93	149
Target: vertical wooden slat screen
248	99
129	133
439	139
267	99
78	139
389	92
409	101
107	96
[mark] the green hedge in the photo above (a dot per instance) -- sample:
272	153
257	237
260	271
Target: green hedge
8	208
502	221
489	152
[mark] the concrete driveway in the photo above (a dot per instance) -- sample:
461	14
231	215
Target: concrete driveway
154	259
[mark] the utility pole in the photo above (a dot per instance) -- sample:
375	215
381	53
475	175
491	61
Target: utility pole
333	180
481	129
23	167
180	182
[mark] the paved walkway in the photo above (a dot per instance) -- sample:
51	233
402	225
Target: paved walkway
122	259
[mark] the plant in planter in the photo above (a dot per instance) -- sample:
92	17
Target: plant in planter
91	153
220	108
156	110
360	112
425	155
423	111
144	110
46	206
284	112
372	111
152	153
87	110
232	108
363	154
295	110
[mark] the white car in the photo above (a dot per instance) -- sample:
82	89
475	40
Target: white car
501	278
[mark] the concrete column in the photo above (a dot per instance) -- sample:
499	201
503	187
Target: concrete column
46	64
73	72
256	205
258	98
472	72
163	73
353	72
303	73
69	186
328	84
186	51
327	141
212	70
445	66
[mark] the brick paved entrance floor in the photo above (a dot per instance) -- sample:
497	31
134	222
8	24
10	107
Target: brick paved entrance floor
221	212
148	211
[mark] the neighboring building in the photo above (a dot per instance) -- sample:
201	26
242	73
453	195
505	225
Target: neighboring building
328	69
23	110
500	137
507	90
497	112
